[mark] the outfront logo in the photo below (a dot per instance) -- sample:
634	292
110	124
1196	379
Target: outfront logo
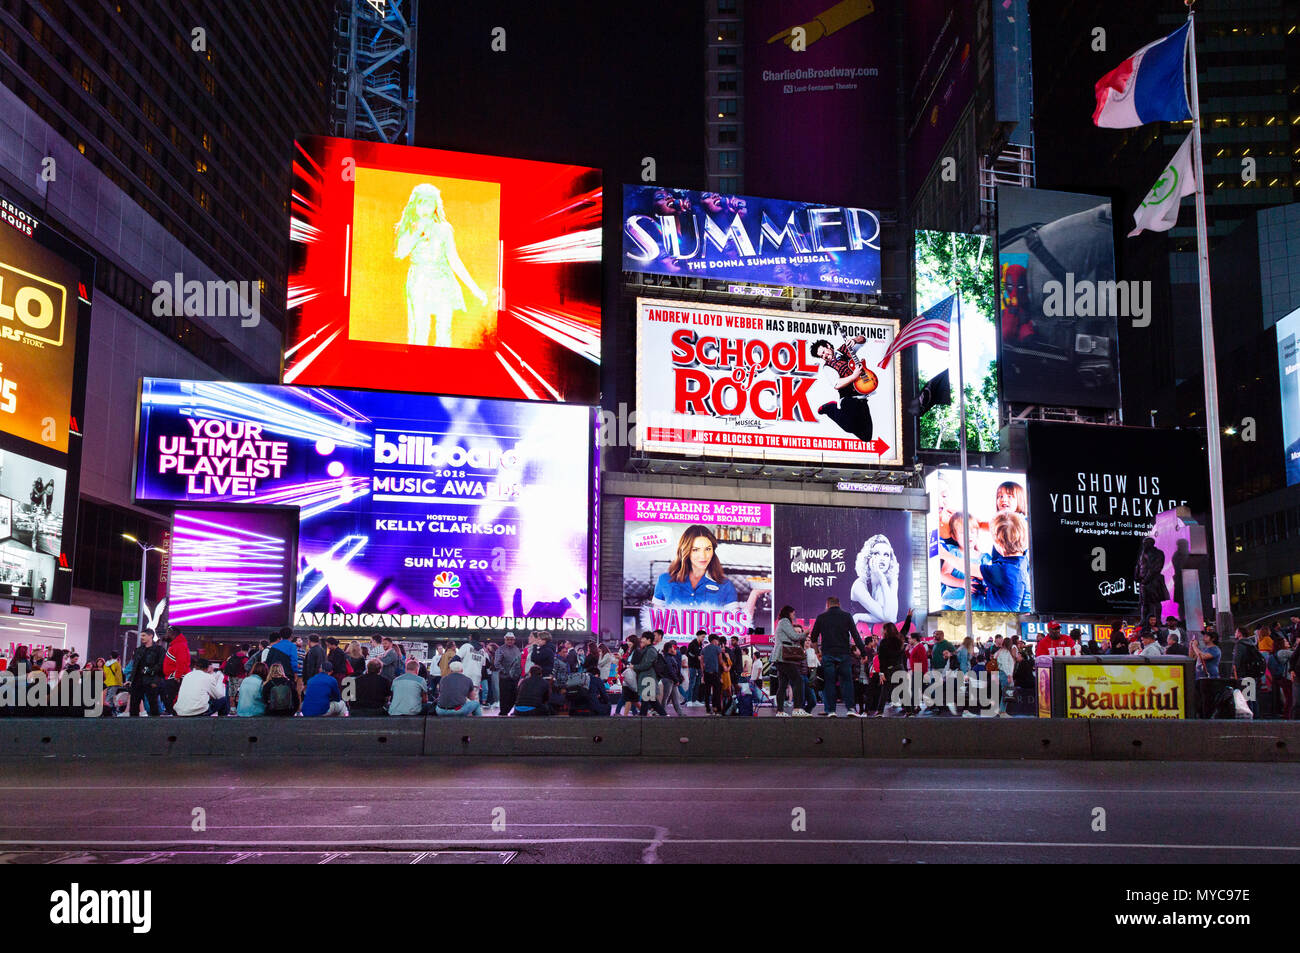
446	584
75	906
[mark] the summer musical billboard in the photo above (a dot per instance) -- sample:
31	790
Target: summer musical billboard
743	238
417	511
426	270
762	384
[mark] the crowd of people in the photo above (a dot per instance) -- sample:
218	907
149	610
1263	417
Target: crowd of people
829	666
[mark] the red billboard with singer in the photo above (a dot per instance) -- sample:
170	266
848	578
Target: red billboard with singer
434	271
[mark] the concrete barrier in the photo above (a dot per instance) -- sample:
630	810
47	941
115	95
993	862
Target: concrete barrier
1159	740
685	738
104	737
515	737
957	738
316	736
751	737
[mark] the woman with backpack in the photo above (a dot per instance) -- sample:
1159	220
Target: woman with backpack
670	675
279	694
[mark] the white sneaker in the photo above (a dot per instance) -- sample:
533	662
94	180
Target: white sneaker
829	714
854	714
783	714
799	713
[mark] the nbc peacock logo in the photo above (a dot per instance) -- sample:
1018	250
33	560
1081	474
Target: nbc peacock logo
446	584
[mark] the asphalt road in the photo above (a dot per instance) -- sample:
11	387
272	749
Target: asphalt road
424	810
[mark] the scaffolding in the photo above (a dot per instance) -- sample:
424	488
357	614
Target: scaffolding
374	70
1014	165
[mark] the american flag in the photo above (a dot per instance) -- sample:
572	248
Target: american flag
930	328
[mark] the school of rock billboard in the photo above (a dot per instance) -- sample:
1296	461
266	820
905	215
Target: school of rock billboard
761	384
1094	494
744	238
727	567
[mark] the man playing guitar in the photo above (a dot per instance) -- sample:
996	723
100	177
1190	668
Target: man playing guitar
852	381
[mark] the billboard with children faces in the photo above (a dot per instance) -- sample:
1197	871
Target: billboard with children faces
993	525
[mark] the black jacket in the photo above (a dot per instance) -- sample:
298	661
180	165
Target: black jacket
148	664
835	629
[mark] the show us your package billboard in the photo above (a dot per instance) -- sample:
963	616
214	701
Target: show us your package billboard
1094	493
761	384
420	269
1058	301
744	238
727	567
416	511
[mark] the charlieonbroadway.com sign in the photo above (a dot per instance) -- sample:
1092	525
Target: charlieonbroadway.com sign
748	382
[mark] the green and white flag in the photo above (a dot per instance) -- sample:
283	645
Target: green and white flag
1159	210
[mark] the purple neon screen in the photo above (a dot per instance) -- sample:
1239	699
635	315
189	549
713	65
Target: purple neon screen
232	567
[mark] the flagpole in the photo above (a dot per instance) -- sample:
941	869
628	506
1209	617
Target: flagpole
961	411
1218	524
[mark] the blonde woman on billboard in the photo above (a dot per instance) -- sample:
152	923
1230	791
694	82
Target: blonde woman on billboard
433	294
876	588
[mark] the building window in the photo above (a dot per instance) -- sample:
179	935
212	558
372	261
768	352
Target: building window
727	56
727	83
727	159
727	135
729	183
726	107
726	6
727	33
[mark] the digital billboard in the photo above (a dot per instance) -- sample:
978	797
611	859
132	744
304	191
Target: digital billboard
726	566
1094	493
949	263
697	564
762	384
994	525
820	99
1288	376
940	78
232	566
861	556
44	318
743	238
417	511
425	270
1125	691
33	502
1058	300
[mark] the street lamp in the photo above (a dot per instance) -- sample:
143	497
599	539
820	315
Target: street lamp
145	549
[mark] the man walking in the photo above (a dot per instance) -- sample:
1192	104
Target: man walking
146	676
834	629
510	671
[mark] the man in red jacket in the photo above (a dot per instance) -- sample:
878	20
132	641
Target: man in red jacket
176	664
1054	639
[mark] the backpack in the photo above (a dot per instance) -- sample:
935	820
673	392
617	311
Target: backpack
661	669
745	705
1252	662
274	655
234	668
280	698
576	681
